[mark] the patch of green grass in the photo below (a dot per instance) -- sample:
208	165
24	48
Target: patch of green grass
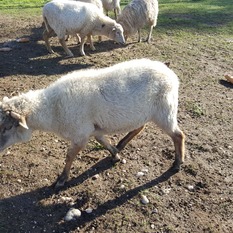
211	16
21	4
22	7
194	109
196	15
95	146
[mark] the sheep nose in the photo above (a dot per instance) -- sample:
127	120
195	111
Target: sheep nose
123	41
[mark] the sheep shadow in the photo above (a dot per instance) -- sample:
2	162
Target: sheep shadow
27	212
32	58
226	83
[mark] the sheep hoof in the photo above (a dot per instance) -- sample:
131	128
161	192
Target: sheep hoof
93	48
176	166
69	56
60	182
116	158
58	185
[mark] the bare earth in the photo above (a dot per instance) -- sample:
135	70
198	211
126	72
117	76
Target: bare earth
197	199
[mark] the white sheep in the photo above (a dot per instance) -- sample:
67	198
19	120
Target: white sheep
97	102
136	15
110	5
99	4
70	17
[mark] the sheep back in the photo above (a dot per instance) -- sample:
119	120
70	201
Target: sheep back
70	17
137	14
116	99
98	3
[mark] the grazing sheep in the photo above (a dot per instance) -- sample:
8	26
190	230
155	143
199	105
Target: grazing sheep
136	15
99	4
97	102
84	19
110	5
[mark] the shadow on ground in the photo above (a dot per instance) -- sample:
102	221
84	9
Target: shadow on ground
33	59
25	209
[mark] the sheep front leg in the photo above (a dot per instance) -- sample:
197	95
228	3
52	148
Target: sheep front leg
71	153
63	44
107	145
91	43
82	46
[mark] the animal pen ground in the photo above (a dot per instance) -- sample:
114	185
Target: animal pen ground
199	46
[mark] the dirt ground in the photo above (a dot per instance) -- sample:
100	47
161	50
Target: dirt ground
197	199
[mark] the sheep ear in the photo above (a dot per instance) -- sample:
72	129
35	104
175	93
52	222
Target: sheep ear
21	119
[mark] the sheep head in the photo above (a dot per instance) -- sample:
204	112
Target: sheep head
13	127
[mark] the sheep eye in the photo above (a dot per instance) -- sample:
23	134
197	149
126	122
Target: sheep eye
8	127
4	129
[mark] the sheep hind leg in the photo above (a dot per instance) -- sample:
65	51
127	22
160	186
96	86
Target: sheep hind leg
46	36
63	44
124	141
148	40
71	153
178	138
107	145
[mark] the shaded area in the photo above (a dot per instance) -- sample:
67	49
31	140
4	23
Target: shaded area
32	58
226	83
25	209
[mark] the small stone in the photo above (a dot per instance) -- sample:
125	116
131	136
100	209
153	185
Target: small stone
123	161
155	211
166	190
8	152
122	186
144	199
139	174
23	40
190	187
95	177
89	210
67	199
42	149
152	226
5	49
72	214
145	170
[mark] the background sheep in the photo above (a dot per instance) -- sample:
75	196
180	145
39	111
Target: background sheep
97	102
110	5
99	4
136	15
84	19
